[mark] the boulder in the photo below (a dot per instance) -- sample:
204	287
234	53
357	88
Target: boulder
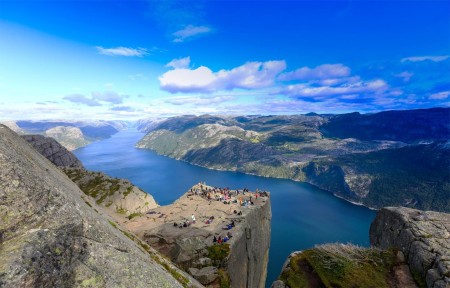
206	275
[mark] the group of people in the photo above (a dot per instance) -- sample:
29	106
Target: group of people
185	223
220	239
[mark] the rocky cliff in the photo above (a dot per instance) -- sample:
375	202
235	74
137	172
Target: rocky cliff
53	151
423	237
49	237
239	262
114	195
410	248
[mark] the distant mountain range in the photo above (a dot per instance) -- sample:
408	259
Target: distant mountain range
382	159
71	134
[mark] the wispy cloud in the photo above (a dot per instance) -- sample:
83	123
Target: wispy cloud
123	108
318	93
81	99
405	75
325	71
425	58
251	75
189	32
108	96
440	96
122	51
179	63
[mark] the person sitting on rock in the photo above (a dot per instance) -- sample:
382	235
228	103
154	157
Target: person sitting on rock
193	218
219	240
175	224
214	240
229	235
225	239
232	223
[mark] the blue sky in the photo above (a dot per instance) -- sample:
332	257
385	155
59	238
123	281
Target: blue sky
103	59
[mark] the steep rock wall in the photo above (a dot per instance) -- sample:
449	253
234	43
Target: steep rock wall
247	264
53	151
424	238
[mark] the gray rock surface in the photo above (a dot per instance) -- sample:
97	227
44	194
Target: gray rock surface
53	151
423	236
50	238
247	264
205	275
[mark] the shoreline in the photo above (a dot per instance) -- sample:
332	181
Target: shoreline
252	174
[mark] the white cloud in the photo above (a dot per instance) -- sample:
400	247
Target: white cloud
108	96
251	75
122	51
325	71
306	91
189	32
425	58
440	95
405	75
81	99
179	63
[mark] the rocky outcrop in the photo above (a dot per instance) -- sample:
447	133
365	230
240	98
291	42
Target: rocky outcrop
114	195
53	151
345	265
424	238
49	237
240	262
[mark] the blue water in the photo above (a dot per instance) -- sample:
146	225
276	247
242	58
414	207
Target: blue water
302	215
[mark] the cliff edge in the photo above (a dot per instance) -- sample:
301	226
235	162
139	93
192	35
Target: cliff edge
239	261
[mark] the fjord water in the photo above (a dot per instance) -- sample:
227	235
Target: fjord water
302	215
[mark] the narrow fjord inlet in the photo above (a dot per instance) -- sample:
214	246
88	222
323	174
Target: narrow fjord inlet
302	215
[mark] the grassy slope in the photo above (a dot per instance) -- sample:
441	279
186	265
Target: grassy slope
337	265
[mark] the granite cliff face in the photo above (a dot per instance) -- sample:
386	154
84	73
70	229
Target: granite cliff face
53	151
423	237
49	237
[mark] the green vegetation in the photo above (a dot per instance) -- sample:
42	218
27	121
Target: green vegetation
113	224
224	279
133	215
99	186
338	265
121	210
414	176
218	252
